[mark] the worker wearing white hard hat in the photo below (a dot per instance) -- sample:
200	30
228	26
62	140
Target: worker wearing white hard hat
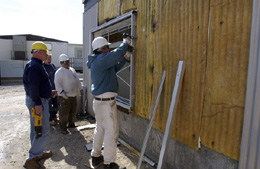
104	65
68	85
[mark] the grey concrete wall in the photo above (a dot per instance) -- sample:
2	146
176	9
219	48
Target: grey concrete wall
178	156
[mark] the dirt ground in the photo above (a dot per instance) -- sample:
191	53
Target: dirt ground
69	151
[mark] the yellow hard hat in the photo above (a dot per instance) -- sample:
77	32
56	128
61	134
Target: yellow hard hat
38	45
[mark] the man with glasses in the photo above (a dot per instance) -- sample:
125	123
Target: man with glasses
68	85
104	65
38	91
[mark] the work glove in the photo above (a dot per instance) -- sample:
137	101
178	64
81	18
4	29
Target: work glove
127	55
64	95
130	48
126	38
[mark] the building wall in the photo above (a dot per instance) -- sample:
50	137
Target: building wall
177	154
12	68
6	49
213	38
72	49
90	19
225	83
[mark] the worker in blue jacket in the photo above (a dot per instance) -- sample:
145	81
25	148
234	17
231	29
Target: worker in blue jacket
103	65
53	103
38	91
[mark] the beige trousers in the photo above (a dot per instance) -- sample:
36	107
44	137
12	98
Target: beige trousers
107	130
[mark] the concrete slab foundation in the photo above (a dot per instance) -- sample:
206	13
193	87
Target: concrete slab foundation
178	155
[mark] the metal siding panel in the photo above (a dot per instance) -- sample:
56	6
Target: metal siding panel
171	30
127	5
143	65
109	9
250	145
229	35
190	45
167	32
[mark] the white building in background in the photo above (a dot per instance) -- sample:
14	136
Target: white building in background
15	52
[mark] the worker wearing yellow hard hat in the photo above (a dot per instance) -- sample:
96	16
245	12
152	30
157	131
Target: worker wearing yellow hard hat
38	91
38	45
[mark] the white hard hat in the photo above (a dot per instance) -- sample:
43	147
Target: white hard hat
99	42
63	57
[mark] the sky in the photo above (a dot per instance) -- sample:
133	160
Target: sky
58	19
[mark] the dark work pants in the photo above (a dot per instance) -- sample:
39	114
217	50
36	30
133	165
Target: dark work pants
53	108
67	111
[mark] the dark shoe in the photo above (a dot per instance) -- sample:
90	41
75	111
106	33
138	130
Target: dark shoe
97	161
56	120
33	164
64	132
72	126
52	123
113	166
46	154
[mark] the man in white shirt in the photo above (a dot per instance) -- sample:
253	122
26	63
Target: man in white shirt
68	85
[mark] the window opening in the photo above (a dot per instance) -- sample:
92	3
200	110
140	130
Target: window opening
113	31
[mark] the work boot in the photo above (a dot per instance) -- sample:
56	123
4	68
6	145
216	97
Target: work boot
97	161
72	125
56	120
64	131
46	154
52	123
113	166
33	164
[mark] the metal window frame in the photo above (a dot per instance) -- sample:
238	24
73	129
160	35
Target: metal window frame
132	15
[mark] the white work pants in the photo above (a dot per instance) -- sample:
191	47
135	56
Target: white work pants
107	130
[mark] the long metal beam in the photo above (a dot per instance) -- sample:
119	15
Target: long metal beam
172	111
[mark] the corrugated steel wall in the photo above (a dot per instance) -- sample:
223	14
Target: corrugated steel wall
227	64
165	37
109	9
212	37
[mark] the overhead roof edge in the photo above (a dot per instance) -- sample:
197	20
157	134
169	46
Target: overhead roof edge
30	37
